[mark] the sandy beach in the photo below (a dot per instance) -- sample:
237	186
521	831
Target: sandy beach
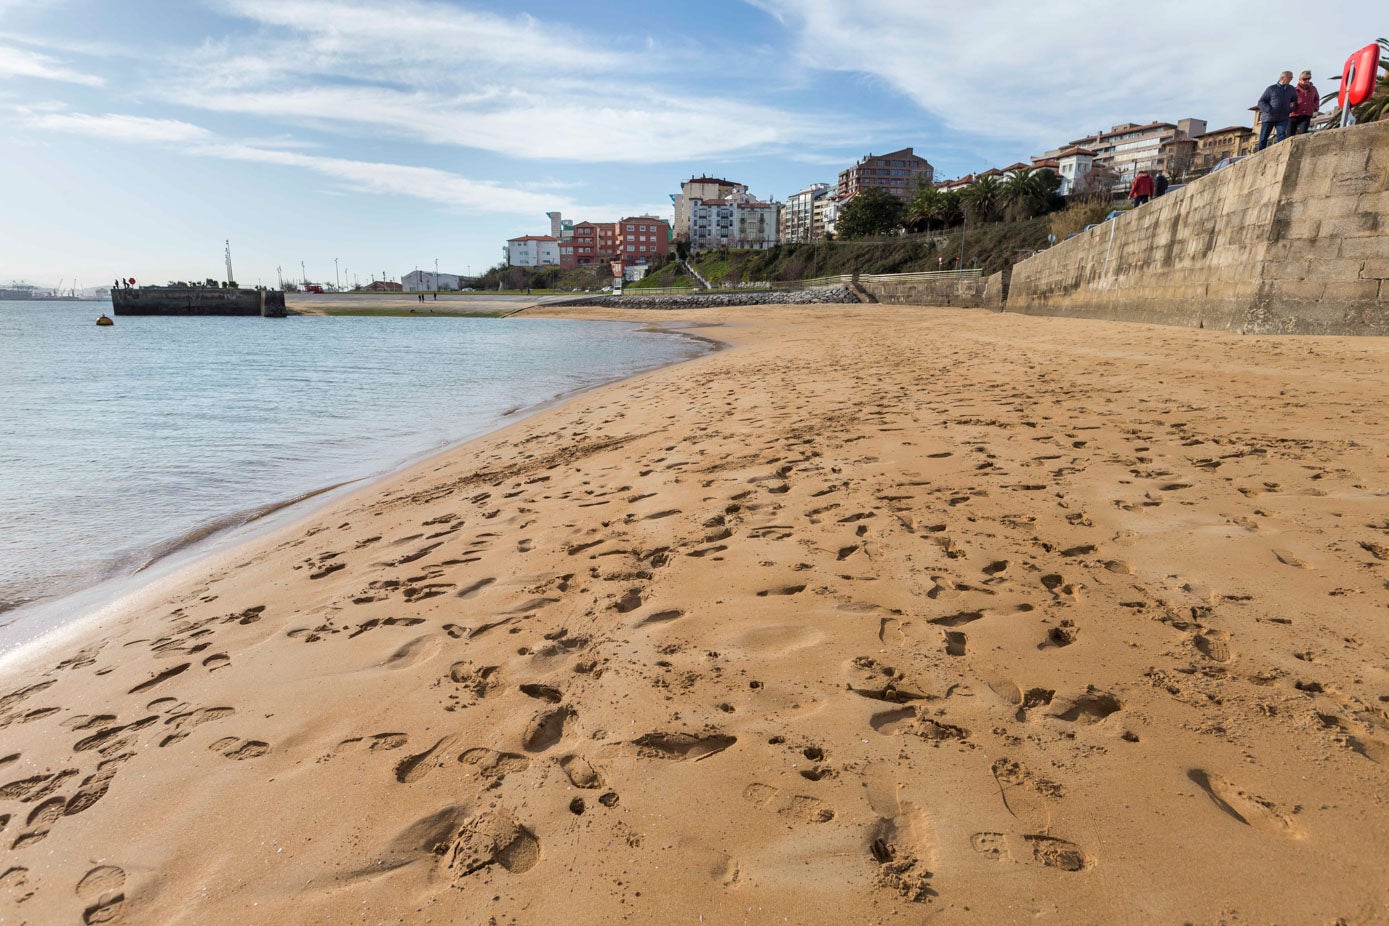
881	615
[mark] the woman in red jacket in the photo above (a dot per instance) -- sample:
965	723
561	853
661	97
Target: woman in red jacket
1308	102
1142	189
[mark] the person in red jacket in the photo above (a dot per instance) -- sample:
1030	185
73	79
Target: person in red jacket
1142	189
1308	102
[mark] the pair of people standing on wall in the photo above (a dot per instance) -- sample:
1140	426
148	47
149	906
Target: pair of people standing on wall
1287	110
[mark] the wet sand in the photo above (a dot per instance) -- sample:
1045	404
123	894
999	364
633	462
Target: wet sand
883	615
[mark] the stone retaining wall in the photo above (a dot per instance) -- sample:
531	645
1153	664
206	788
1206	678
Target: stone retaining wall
829	294
1291	240
964	291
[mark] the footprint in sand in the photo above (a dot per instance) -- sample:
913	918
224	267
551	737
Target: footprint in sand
15	886
1244	806
1025	796
682	745
1058	853
581	773
239	749
1091	707
545	729
1214	645
377	742
902	846
493	838
489	763
992	846
800	807
103	890
40	821
412	768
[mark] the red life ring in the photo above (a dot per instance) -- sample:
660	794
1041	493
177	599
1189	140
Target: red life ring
1359	76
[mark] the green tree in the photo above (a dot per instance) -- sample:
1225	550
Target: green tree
983	199
873	211
1027	193
932	208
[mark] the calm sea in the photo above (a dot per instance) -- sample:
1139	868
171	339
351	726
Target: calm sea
119	444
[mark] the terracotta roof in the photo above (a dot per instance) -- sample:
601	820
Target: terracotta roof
712	180
1229	128
532	238
1074	150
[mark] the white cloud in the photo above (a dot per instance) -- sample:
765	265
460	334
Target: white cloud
447	75
432	185
20	62
118	127
1042	74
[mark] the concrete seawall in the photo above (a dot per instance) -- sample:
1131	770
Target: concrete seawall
1292	240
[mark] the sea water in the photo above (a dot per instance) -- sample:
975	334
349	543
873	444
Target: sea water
120	444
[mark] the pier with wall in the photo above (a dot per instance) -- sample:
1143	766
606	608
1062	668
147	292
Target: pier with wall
1294	239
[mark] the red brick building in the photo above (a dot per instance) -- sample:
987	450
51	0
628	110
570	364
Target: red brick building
633	240
900	173
642	238
592	243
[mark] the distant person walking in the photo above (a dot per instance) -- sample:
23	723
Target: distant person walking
1276	109
1160	184
1142	189
1308	102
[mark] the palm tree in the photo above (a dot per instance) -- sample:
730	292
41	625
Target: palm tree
983	198
1025	193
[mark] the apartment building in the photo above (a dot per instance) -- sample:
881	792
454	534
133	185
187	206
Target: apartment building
738	220
1071	166
798	213
532	251
824	215
591	243
1230	142
901	173
701	188
641	238
1128	148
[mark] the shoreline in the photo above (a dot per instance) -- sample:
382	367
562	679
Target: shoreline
882	614
122	586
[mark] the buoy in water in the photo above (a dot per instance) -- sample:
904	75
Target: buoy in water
103	321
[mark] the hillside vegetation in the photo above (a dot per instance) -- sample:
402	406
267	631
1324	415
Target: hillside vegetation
991	247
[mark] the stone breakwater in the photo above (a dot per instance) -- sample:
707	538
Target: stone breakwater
828	294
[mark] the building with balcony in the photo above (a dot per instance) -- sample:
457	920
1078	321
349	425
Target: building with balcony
701	188
901	173
1071	166
1128	149
642	238
798	213
738	220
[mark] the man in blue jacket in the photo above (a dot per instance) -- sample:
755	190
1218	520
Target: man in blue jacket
1276	108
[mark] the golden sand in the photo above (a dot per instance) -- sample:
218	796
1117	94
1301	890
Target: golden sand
883	615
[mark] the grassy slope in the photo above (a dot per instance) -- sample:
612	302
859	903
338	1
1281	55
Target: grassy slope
995	246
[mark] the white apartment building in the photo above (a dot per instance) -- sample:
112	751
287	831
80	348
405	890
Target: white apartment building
702	188
1071	166
798	213
826	215
736	221
417	281
532	251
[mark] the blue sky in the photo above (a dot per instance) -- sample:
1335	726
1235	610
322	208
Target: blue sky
136	135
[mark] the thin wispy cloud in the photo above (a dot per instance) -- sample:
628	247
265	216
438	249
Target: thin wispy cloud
21	62
439	187
1040	74
447	75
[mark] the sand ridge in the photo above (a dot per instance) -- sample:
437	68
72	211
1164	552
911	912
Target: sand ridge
883	615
